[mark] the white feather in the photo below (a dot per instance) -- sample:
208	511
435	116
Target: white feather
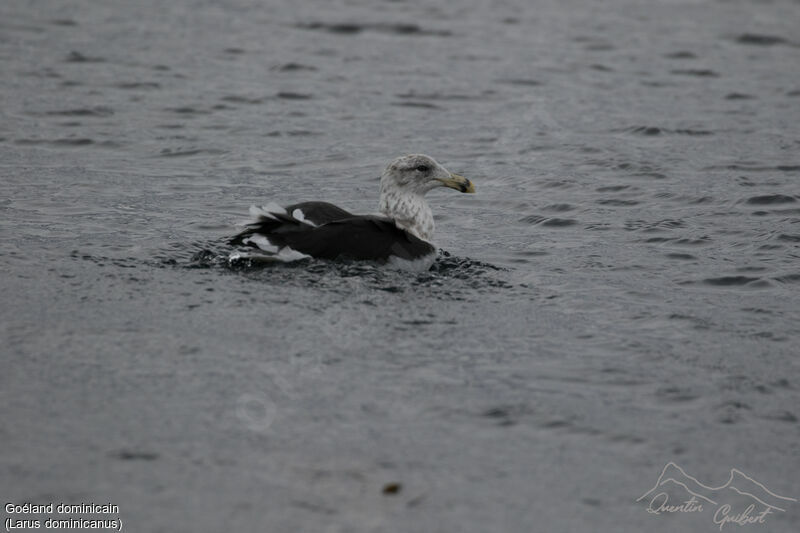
287	255
262	242
410	212
297	214
256	211
272	207
268	211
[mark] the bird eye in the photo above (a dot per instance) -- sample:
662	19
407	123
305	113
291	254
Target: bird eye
423	168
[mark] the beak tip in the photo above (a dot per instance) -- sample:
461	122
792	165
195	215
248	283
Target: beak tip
460	183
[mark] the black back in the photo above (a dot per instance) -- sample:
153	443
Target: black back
320	212
355	237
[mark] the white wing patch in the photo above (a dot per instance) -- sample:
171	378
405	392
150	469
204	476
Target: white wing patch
256	212
267	211
287	255
284	255
298	215
262	242
281	257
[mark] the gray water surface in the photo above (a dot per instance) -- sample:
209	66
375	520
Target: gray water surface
622	292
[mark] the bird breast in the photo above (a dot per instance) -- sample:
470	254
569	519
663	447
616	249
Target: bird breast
410	212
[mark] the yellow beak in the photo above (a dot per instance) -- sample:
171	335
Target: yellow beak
459	183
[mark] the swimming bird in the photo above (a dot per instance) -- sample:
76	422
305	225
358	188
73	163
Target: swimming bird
400	234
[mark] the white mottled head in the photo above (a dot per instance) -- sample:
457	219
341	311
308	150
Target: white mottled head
418	174
403	186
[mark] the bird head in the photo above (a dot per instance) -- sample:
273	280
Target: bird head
418	174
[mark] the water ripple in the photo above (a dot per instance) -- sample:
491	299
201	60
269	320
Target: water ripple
353	28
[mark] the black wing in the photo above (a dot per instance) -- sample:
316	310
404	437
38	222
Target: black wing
357	237
320	212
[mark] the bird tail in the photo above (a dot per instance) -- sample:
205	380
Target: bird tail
267	231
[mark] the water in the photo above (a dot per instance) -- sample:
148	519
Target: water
621	292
